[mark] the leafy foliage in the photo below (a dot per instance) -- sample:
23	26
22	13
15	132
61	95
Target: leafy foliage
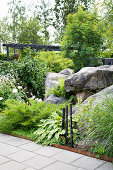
62	9
30	71
50	130
83	37
18	114
55	61
59	90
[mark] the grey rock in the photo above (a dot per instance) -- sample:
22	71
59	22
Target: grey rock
52	80
55	100
98	98
67	71
90	78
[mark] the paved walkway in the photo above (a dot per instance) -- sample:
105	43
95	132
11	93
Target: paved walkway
19	154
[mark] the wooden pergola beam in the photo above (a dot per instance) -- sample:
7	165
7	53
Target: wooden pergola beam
32	46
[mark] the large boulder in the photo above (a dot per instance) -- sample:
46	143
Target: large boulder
55	100
98	98
90	79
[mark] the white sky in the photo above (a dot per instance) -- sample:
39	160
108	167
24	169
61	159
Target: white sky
4	5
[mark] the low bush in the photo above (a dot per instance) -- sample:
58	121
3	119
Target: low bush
97	123
18	114
55	61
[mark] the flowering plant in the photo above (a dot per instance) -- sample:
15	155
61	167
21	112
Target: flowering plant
8	89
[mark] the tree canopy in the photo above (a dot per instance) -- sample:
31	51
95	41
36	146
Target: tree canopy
82	38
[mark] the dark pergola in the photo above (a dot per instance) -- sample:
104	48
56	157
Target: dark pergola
32	46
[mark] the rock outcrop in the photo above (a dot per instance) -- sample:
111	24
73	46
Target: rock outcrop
90	79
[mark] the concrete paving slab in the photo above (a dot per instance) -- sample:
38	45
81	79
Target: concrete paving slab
39	162
12	165
60	166
31	146
4	138
3	159
17	141
21	155
88	163
48	151
67	156
29	168
7	149
106	166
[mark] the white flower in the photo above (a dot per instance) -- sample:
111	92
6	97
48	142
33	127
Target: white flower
40	100
15	91
19	87
1	98
33	97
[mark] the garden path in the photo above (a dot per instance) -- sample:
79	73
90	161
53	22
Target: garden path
22	154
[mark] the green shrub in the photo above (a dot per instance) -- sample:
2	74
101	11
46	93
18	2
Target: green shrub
55	61
30	71
98	123
18	114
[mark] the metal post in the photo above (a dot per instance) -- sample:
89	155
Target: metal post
71	126
66	125
7	53
63	118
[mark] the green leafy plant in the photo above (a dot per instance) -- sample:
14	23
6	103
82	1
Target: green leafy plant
59	90
50	130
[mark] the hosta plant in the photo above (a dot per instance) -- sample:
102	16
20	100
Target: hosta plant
50	130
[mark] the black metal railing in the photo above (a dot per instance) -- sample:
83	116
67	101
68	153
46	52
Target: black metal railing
66	119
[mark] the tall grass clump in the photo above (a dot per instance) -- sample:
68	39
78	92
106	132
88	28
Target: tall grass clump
97	124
